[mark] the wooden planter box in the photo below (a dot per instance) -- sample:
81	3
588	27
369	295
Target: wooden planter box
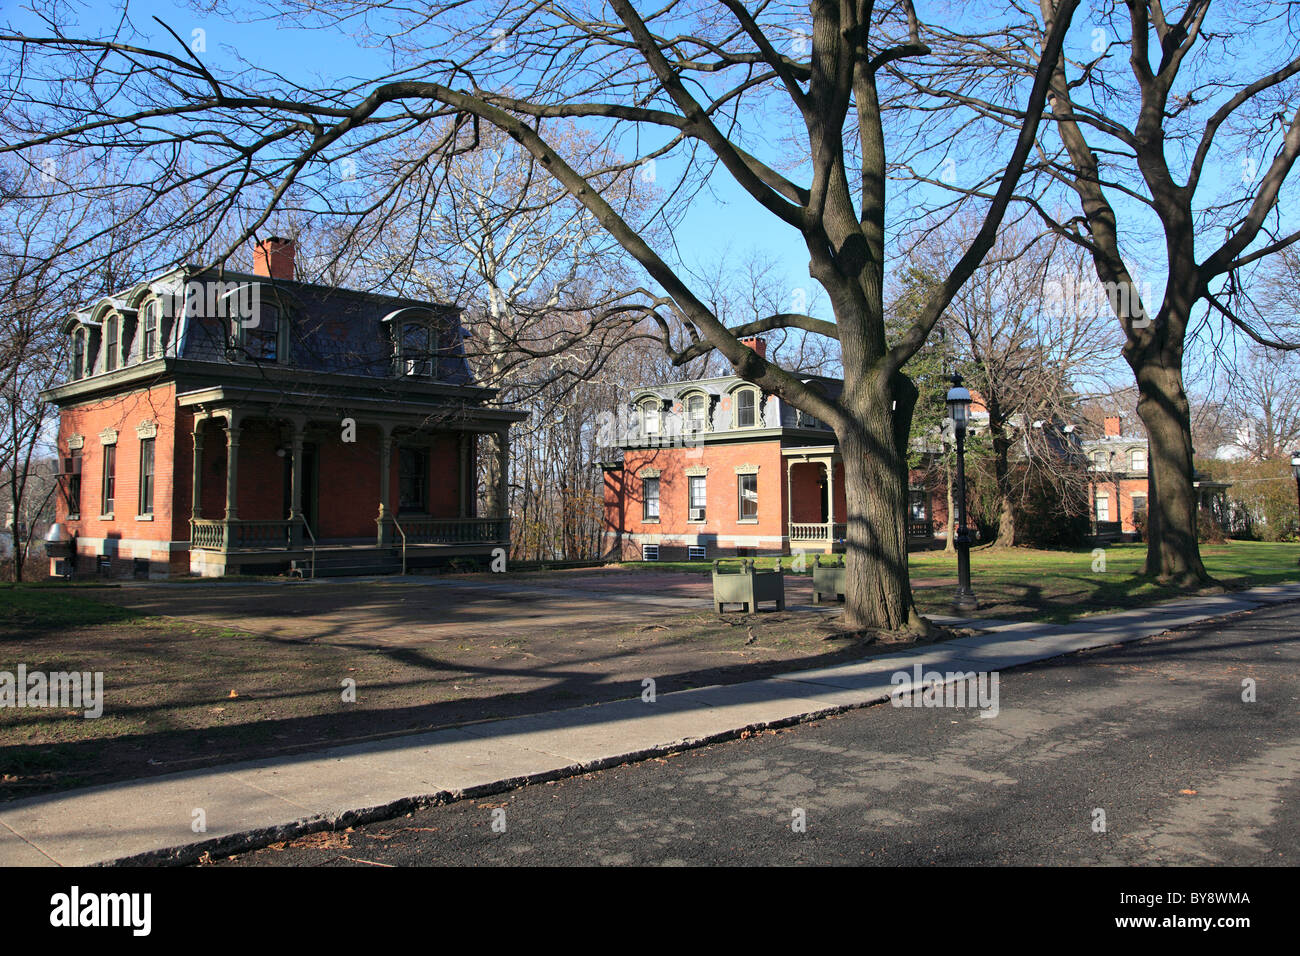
743	585
828	579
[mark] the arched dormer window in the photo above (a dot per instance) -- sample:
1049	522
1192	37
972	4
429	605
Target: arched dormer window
112	345
262	339
79	354
696	408
651	418
150	316
745	401
418	349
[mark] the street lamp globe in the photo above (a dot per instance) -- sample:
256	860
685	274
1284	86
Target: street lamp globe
958	403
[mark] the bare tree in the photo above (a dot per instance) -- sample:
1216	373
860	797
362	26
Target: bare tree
685	81
1167	95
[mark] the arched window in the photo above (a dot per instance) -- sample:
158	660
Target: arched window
1137	459
650	415
418	349
111	345
262	341
78	354
697	412
149	330
746	408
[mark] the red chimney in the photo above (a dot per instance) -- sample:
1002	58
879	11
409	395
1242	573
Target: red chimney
274	258
1112	426
759	345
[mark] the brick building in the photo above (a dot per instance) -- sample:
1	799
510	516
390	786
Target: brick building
713	467
1119	489
218	422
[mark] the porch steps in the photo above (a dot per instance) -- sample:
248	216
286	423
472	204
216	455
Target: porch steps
349	562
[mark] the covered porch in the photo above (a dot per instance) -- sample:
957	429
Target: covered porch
278	485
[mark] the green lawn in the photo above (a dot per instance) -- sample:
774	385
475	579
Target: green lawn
1020	584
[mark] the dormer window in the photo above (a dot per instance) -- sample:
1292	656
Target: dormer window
78	354
262	341
746	408
149	330
650	418
1137	459
697	412
111	345
418	349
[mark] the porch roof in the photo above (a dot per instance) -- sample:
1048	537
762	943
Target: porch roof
311	405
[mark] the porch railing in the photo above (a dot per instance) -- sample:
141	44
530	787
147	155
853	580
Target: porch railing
456	530
217	534
818	531
917	528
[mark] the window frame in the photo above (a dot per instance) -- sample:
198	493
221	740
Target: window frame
752	395
426	364
108	482
148	469
651	407
702	423
72	490
693	482
741	481
1133	455
80	349
1099	499
406	504
248	335
112	342
150	310
646	497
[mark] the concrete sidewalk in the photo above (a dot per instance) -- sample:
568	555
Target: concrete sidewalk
250	804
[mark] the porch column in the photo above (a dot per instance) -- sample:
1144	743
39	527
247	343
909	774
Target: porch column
232	466
830	503
196	479
465	491
789	504
385	535
295	486
503	480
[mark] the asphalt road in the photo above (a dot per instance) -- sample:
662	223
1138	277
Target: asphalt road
1155	734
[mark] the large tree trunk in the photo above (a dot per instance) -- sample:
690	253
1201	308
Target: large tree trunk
1173	553
1002	478
950	545
877	587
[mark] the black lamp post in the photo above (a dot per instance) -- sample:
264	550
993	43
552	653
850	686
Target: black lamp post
1295	470
959	411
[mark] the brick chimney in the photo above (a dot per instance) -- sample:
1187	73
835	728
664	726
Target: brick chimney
1112	426
756	343
274	258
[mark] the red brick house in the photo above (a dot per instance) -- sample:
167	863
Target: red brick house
218	422
713	467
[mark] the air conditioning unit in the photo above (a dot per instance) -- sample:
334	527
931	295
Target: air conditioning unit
695	552
697	514
649	552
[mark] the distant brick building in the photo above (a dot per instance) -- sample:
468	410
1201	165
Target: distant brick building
1119	488
217	422
713	467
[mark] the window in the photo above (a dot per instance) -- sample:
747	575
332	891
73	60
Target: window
1139	504
1099	459
650	418
696	498
78	354
419	347
110	479
149	330
146	476
262	341
747	493
110	344
412	479
697	413
72	484
918	504
1137	459
1103	506
745	408
650	499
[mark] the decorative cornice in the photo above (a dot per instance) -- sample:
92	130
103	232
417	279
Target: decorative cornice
648	473
108	436
76	441
747	469
697	471
147	429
